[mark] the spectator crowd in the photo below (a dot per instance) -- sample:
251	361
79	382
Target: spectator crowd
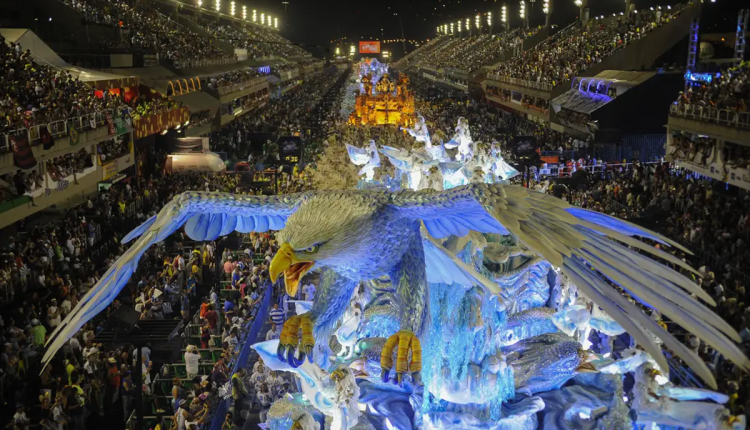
47	268
573	50
32	94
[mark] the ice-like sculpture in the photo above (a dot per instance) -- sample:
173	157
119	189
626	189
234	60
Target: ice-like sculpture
658	402
333	394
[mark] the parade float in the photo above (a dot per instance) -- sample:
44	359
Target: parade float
381	99
460	303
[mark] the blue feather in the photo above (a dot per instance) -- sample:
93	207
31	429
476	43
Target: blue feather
612	223
136	232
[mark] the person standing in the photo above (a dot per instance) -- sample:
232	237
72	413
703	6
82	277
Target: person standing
128	390
212	318
192	361
274	333
238	393
277	315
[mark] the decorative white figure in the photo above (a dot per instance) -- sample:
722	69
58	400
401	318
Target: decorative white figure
368	158
462	140
412	163
420	132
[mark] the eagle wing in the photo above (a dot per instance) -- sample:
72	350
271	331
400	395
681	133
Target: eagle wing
596	251
206	216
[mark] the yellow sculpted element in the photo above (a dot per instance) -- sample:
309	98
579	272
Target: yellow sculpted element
289	336
406	341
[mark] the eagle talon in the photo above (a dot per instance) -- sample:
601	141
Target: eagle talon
290	341
294	361
407	342
281	353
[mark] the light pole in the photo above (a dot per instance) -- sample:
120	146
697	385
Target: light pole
522	13
489	21
583	10
401	25
468	25
546	8
504	17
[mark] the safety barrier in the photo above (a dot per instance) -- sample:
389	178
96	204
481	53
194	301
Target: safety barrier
228	89
219	414
189	64
541	86
725	117
58	128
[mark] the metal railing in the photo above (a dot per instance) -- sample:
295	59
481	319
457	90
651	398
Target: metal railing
189	64
58	128
725	117
228	89
541	86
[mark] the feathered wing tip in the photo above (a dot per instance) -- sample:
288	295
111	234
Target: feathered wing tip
136	232
623	226
209	215
99	297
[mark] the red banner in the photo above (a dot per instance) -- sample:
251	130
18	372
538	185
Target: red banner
369	47
146	126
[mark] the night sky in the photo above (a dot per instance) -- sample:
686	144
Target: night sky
318	22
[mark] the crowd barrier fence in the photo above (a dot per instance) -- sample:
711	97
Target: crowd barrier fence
220	412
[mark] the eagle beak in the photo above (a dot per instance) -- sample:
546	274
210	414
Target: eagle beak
285	261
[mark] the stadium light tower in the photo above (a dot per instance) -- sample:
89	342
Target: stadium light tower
489	21
270	22
255	15
459	26
478	21
200	3
231	8
522	14
244	12
275	23
451	28
547	11
504	17
218	5
468	25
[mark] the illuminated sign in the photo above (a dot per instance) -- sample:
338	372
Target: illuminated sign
369	47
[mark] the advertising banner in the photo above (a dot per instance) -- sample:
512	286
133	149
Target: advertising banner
369	47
